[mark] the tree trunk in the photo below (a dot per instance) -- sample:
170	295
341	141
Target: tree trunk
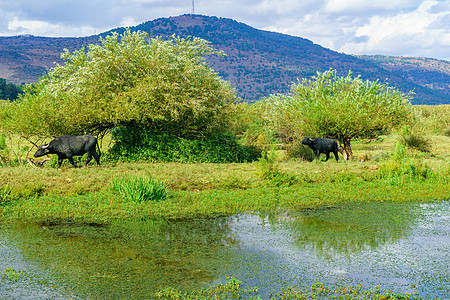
348	154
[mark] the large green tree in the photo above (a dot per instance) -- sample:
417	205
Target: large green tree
125	79
9	91
344	108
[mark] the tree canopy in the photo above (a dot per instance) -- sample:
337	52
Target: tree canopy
9	91
125	79
344	108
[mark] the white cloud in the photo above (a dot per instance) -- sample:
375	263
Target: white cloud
128	21
35	27
403	32
369	6
392	27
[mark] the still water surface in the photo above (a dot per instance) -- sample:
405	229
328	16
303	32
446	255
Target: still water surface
403	247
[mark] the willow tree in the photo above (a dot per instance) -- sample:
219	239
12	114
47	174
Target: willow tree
125	79
347	107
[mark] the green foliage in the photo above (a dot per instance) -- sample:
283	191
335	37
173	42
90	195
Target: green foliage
5	191
299	151
128	78
414	140
343	108
9	91
268	170
139	189
447	132
134	143
4	151
402	165
253	124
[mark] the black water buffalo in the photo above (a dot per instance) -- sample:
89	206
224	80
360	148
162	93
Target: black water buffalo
67	146
320	145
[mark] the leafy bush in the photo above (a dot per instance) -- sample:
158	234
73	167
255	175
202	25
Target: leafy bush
300	151
344	108
134	143
139	189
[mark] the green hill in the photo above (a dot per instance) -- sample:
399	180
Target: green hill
258	63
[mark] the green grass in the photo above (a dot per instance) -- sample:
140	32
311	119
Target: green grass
46	194
105	207
139	189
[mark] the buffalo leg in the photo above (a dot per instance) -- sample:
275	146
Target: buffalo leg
328	156
60	160
336	155
88	159
72	162
97	158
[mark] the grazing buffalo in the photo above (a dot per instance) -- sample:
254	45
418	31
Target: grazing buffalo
67	146
320	145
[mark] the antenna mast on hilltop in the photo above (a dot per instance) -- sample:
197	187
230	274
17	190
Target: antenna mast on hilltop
193	10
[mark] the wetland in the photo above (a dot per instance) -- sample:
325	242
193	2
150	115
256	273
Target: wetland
404	247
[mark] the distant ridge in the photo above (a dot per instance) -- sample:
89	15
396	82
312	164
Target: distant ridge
258	62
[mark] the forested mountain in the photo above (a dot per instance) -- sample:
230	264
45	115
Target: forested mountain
258	63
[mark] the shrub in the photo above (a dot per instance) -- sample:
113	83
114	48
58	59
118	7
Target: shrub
139	189
268	170
300	151
134	143
402	164
414	140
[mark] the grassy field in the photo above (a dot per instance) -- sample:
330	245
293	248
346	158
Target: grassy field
48	195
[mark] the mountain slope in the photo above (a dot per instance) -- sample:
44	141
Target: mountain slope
258	63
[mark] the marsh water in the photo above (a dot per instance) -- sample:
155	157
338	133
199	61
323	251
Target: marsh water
402	247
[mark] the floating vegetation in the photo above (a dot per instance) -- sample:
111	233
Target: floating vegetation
11	274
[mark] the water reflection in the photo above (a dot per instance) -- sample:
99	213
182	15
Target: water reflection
350	228
402	246
127	260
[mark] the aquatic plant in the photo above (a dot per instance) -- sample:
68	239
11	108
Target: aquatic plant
11	274
232	290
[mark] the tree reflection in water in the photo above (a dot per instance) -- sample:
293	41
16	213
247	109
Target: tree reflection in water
349	228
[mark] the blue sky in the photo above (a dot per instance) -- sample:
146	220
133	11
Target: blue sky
389	27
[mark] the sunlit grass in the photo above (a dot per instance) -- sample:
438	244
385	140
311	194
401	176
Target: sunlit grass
46	194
